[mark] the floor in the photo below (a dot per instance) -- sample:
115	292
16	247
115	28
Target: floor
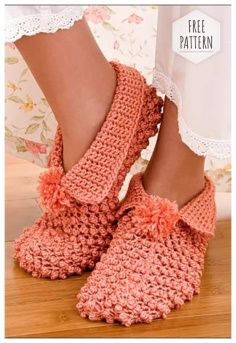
44	308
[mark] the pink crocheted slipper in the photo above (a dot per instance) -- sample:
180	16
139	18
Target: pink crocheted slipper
80	205
155	260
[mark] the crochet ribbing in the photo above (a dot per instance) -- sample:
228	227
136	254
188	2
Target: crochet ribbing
72	234
155	260
88	181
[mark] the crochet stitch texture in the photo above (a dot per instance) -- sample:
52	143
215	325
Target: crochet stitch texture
155	260
71	234
92	178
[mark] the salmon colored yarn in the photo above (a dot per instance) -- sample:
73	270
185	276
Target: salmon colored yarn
155	260
53	195
80	205
88	181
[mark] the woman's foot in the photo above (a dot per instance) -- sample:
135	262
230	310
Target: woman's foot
174	172
155	260
80	205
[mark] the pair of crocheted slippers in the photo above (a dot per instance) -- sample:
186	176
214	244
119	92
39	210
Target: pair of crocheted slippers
151	254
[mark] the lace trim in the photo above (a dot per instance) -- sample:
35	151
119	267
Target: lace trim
200	145
29	25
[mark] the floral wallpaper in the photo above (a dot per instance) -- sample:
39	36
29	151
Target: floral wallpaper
124	33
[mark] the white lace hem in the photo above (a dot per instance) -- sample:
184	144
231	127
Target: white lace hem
30	25
200	145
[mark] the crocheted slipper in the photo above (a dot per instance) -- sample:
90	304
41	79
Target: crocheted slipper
74	231
155	260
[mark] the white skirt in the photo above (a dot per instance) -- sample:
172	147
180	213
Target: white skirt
201	91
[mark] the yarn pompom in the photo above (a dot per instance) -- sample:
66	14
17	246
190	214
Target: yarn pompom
155	218
53	196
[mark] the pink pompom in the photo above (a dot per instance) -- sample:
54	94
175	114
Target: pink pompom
53	195
155	218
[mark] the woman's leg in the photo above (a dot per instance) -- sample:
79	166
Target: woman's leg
174	172
77	81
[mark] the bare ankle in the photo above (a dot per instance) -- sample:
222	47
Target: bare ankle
181	190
